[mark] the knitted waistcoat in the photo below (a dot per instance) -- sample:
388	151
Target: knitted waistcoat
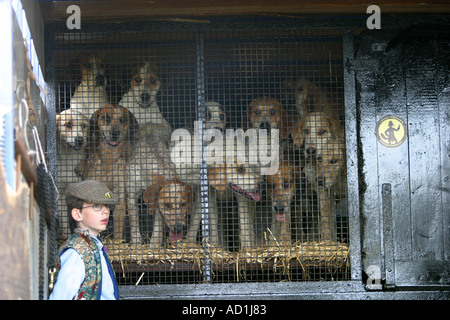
80	241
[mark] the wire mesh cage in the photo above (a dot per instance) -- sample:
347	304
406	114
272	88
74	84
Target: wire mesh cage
226	150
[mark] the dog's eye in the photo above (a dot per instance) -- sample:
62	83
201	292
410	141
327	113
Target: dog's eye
209	115
319	159
321	132
240	169
107	118
333	161
222	116
286	185
273	111
306	131
83	126
68	125
122	120
167	205
137	80
153	80
257	112
87	65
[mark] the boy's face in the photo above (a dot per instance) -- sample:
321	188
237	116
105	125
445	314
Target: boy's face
92	217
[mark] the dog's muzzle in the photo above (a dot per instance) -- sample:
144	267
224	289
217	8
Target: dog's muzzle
114	136
311	152
145	100
280	213
100	80
265	125
78	143
176	233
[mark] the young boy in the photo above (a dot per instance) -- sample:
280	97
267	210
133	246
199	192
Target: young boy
85	271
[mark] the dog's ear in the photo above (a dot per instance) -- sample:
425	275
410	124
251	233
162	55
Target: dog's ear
286	123
190	198
297	132
133	125
94	131
151	196
335	127
247	116
59	120
217	177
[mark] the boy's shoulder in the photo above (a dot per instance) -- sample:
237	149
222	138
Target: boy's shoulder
81	242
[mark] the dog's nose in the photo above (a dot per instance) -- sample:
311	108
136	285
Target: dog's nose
265	125
178	227
115	134
79	141
219	128
278	207
260	185
321	181
100	79
311	152
145	97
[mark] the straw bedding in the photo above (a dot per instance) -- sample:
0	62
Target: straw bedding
318	254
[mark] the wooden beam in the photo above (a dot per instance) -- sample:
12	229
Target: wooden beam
135	10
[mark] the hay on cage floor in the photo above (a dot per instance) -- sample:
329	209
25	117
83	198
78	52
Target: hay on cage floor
323	253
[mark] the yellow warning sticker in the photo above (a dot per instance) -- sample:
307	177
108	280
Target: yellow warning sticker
108	195
391	131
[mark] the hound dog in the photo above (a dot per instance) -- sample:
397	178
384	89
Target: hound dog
320	118
72	135
315	131
149	166
189	172
170	202
326	175
282	190
90	94
309	97
243	182
267	113
113	131
141	100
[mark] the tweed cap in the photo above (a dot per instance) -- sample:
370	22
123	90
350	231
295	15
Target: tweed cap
90	191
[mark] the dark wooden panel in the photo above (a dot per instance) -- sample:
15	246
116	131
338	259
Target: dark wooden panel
201	10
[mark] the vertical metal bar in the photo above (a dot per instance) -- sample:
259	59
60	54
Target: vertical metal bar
201	111
351	134
6	93
51	102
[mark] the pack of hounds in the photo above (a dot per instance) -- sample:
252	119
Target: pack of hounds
128	146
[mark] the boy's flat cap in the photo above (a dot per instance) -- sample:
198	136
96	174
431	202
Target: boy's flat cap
90	191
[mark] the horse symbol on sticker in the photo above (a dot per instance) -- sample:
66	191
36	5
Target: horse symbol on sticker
391	131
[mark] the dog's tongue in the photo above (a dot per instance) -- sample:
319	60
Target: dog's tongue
113	143
175	236
254	195
280	217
